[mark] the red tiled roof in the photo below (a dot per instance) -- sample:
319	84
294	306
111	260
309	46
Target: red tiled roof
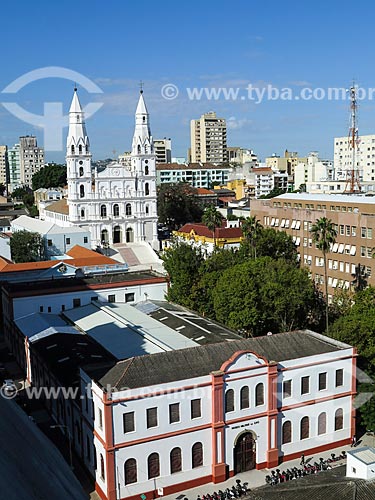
60	207
204	191
220	232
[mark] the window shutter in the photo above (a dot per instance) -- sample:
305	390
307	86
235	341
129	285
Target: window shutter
229	400
322	423
305	385
153	465
197	455
129	422
287	432
339	419
245	399
196	408
339	377
322	381
130	471
305	428
287	388
259	395
176	462
152	417
174	413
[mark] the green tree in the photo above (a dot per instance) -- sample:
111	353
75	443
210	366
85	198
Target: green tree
275	192
276	244
264	294
51	175
2	189
177	205
324	235
182	262
21	193
212	218
26	246
251	229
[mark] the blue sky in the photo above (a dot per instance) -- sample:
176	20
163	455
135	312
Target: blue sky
192	44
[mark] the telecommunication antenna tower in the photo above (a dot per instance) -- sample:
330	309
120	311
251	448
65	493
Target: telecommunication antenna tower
353	184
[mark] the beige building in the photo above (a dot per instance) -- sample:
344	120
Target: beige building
242	156
364	159
163	150
287	163
4	173
354	219
31	159
208	136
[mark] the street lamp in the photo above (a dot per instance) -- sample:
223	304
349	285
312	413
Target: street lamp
62	426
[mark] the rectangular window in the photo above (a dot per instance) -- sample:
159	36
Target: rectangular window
68	241
174	413
363	232
339	377
76	302
63	307
342	229
129	297
196	411
112	298
49	243
100	418
369	233
287	388
305	385
354	231
322	381
85	239
49	309
128	421
41	309
152	417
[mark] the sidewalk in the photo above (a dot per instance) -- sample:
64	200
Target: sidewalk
256	478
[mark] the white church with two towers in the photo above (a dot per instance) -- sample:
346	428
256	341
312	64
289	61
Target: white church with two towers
116	204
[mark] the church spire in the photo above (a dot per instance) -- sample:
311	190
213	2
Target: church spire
77	140
142	139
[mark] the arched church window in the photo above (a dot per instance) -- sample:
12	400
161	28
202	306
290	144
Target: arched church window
146	209
77	118
82	212
80	171
80	149
139	149
87	149
145	149
147	189
103	211
146	169
81	191
116	210
144	119
72	149
128	209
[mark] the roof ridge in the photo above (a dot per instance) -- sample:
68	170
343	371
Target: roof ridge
126	369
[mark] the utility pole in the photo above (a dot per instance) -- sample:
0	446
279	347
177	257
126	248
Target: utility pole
352	176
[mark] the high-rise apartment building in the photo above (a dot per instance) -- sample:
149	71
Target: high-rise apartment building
31	158
364	158
14	163
208	137
163	150
4	172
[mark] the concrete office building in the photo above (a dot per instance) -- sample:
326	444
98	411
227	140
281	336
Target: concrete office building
14	162
163	150
31	159
208	137
4	169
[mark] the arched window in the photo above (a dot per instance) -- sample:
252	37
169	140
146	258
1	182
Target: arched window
146	149
129	236
175	460
197	455
82	212
259	395
80	149
287	432
147	189
305	428
87	149
139	149
339	419
102	472
322	423
146	169
146	209
103	211
116	210
72	149
81	191
229	400
153	465
80	171
128	209
244	398
130	469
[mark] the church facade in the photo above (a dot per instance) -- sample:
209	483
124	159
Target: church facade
118	203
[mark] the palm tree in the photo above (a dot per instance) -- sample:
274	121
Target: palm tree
212	218
324	235
251	228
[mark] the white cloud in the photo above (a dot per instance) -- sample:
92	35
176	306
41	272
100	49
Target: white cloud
234	124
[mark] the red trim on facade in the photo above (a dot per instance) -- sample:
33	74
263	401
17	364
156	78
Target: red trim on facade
320	400
272	449
305	365
354	392
110	454
236	355
162	393
317	449
174	488
100	492
217	424
99	286
248	417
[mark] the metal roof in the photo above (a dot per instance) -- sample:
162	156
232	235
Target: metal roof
365	454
